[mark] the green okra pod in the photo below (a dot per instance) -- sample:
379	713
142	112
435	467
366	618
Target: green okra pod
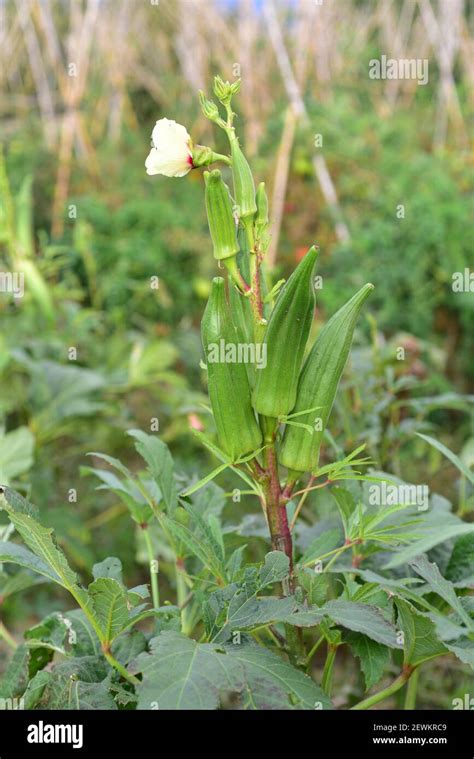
229	389
318	385
244	188
220	217
285	341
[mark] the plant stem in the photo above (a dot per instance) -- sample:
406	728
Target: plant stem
7	636
300	505
155	590
386	692
334	552
255	289
182	596
313	650
410	696
326	682
275	508
120	668
236	275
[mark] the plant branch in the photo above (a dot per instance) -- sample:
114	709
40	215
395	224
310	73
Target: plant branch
401	680
155	591
7	636
120	668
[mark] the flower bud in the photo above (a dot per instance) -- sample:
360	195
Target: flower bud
225	90
220	217
243	182
209	108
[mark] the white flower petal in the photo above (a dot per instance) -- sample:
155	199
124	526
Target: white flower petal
171	154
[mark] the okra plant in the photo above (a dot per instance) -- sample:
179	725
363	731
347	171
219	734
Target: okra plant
250	613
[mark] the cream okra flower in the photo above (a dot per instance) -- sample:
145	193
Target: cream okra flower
172	151
174	154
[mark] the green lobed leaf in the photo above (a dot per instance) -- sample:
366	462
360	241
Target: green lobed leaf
420	640
363	618
15	678
438	584
373	656
160	464
433	536
460	465
17	554
109	602
180	673
16	453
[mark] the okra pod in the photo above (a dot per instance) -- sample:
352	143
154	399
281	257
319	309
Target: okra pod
318	385
220	217
285	341
229	389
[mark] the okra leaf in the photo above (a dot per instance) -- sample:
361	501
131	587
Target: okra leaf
438	584
15	679
246	612
363	618
275	568
326	542
181	674
204	481
208	530
15	553
113	462
346	505
461	563
35	689
109	567
272	683
40	540
315	585
373	656
45	639
109	603
16	453
160	464
197	547
420	640
460	465
463	649
433	535
18	581
78	683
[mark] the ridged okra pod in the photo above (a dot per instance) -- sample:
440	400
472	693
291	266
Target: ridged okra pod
285	341
229	390
220	217
244	188
318	385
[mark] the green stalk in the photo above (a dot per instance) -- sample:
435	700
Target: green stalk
326	682
155	591
255	294
120	668
181	597
386	692
7	636
412	687
313	651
